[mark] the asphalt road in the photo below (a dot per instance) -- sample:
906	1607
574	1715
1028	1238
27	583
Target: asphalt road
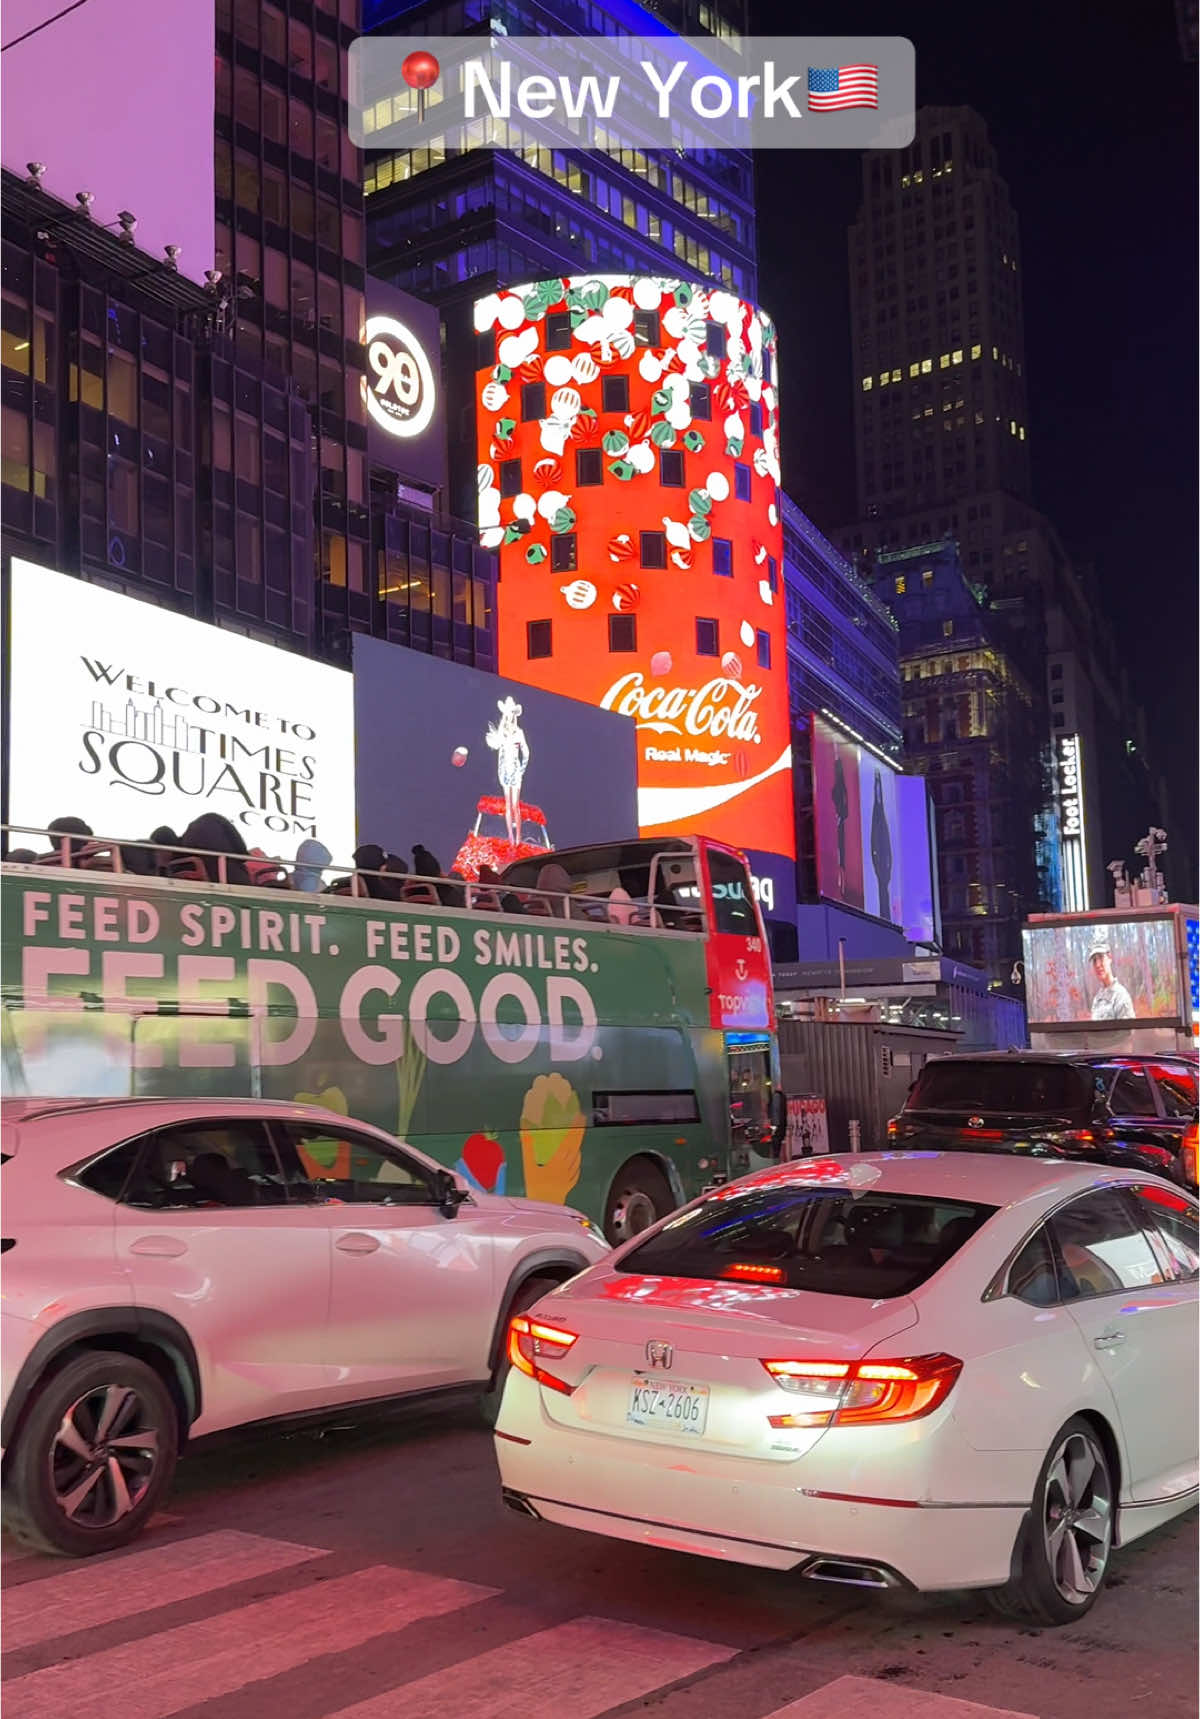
371	1573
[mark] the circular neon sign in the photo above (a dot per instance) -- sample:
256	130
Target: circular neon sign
399	385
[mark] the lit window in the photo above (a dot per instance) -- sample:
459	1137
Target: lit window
895	376
1021	432
914	369
927	576
977	352
995	352
948	629
885	378
868	384
901	585
944	361
926	366
957	355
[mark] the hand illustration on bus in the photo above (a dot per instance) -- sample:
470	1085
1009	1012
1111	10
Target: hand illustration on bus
552	1129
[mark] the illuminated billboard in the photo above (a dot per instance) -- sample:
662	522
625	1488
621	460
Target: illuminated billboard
628	471
479	770
131	717
1071	814
874	847
402	388
1108	970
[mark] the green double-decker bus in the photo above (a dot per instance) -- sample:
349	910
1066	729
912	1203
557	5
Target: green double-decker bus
610	1046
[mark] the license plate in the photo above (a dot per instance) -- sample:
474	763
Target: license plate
674	1406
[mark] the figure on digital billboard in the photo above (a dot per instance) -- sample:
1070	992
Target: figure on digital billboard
507	739
1112	1001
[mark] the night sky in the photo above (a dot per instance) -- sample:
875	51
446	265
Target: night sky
1094	123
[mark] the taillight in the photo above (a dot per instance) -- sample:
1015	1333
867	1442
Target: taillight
1189	1153
864	1393
752	1273
531	1341
893	1127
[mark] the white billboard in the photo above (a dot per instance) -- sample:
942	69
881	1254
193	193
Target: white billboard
131	717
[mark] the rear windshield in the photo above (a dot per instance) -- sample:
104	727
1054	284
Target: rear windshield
829	1240
1026	1087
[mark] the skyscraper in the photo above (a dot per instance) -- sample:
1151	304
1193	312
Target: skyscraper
942	428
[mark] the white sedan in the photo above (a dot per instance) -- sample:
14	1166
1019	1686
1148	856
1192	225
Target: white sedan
904	1369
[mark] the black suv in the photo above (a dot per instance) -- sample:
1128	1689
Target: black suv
1135	1111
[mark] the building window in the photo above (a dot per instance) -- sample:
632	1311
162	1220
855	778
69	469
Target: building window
948	629
589	467
563	552
622	632
741	481
1060	720
763	646
558	331
654	548
614	394
670	468
901	585
927	576
1056	671
645	327
700	400
708	637
538	639
772	573
533	400
714	338
722	553
1058	696
510	477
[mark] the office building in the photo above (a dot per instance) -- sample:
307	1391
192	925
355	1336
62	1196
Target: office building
971	728
221	443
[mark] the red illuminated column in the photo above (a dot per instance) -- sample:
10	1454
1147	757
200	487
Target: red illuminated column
628	474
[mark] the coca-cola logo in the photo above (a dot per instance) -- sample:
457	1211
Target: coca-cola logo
720	709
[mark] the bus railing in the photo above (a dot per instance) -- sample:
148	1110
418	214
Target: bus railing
172	864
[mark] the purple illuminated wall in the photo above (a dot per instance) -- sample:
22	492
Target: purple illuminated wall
117	98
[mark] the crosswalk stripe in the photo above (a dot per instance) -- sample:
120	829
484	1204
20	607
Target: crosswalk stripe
177	1668
575	1671
870	1698
98	1592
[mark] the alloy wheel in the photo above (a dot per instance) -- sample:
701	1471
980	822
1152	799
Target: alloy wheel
1077	1518
103	1456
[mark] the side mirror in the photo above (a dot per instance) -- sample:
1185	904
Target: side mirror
450	1195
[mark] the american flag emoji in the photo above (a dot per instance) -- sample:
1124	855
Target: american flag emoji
833	87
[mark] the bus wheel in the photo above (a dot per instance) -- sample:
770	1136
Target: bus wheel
639	1196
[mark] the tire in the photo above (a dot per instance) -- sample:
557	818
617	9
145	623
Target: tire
640	1196
1064	1563
528	1292
117	1481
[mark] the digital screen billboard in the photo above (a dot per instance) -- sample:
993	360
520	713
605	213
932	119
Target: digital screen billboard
874	848
131	717
483	771
1110	970
628	471
405	399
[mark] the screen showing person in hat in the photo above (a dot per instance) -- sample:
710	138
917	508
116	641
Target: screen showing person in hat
1112	1001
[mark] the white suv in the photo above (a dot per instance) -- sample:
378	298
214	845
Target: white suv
177	1267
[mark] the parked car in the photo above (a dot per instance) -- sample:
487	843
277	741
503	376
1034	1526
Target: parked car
174	1268
903	1369
1138	1111
489	844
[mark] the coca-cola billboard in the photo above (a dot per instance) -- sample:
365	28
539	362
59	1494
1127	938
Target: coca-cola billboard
628	473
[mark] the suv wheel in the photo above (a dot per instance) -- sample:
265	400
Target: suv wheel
530	1291
94	1457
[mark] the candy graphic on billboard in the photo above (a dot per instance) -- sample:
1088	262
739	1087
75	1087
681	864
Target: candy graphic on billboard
628	471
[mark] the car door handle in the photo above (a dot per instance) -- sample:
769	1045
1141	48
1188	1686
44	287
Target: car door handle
159	1247
357	1242
1109	1340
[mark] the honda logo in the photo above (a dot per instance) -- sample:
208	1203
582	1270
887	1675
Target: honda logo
659	1354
